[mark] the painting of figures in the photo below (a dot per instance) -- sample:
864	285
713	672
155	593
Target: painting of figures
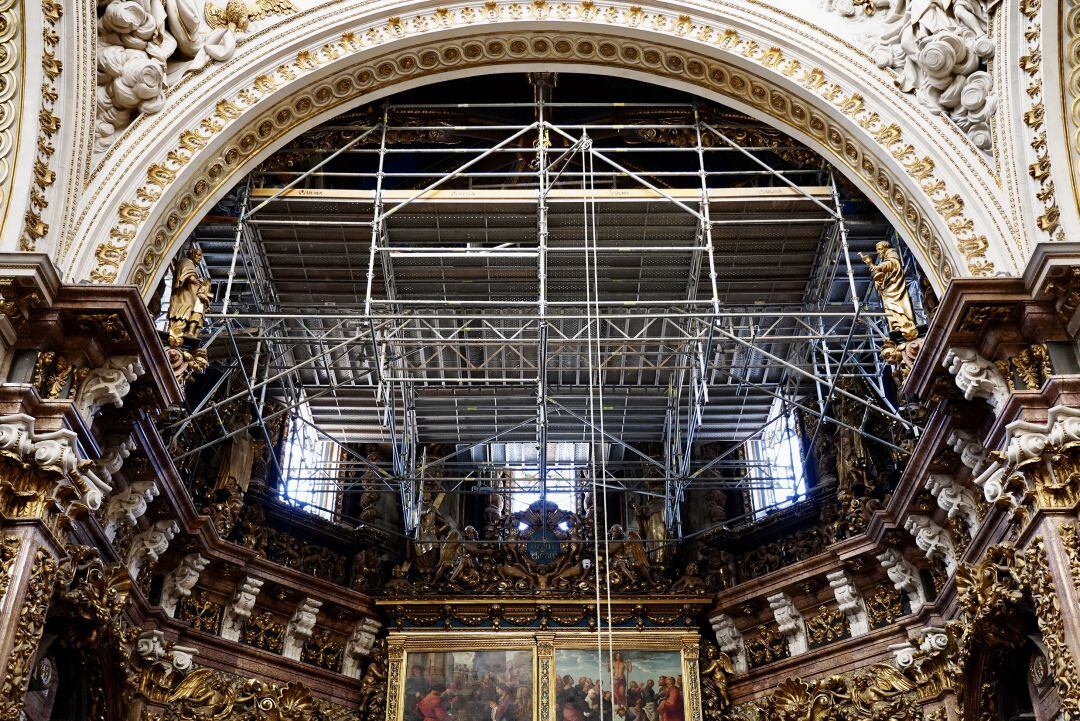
623	686
469	686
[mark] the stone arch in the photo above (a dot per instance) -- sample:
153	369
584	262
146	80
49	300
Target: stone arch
168	168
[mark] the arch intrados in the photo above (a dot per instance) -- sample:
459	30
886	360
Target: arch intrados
859	182
904	205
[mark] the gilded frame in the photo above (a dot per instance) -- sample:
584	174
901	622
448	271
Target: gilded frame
400	645
543	644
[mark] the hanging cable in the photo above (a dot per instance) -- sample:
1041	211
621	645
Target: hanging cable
585	229
591	197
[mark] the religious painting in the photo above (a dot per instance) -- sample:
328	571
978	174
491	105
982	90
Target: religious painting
618	684
487	685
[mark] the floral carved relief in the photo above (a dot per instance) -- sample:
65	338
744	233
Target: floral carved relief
938	51
147	45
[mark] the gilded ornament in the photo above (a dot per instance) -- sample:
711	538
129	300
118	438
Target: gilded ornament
1030	62
29	625
1052	625
53	374
879	691
186	365
109	325
9	552
1066	292
17	301
237	15
263	631
324	649
1070	539
765	646
826	625
202	611
884	604
157	666
207	695
1031	366
35	227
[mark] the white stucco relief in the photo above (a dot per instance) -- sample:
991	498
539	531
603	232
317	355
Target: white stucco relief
938	50
145	46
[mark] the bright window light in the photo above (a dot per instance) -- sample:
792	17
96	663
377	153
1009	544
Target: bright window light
564	462
306	465
775	471
527	487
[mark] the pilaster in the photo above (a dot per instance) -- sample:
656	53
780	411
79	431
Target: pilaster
65	352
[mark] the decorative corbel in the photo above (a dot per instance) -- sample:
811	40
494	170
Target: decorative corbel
1046	455
108	384
359	646
181	580
927	660
129	506
239	609
904	577
933	540
971	450
850	602
955	499
47	482
161	665
790	622
903	654
730	640
977	377
110	462
300	628
147	547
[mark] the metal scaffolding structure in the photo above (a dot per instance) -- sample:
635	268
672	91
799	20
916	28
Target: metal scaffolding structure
539	282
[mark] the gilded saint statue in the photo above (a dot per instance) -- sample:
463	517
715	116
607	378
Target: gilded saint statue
234	473
189	300
652	527
888	276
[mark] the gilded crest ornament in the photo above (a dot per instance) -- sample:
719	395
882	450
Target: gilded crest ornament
238	15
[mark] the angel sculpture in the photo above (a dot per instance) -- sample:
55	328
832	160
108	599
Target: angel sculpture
448	553
469	555
879	688
373	682
716	666
207	694
626	556
238	15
